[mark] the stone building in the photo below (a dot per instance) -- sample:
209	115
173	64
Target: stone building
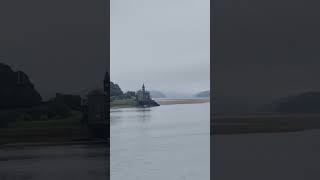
143	96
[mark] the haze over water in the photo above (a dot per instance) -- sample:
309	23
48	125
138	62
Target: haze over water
169	142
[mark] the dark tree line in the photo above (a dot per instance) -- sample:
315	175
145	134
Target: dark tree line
16	89
115	90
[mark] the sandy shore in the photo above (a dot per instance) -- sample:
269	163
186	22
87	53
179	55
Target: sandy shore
166	101
181	101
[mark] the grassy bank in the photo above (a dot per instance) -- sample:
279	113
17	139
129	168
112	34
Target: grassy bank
130	102
52	130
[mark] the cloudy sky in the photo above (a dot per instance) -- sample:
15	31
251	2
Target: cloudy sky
162	43
62	45
266	49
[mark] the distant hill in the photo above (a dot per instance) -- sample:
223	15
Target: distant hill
308	102
157	94
203	94
171	94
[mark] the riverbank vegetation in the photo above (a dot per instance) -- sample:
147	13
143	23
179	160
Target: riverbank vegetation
130	98
26	118
120	99
123	102
50	122
65	129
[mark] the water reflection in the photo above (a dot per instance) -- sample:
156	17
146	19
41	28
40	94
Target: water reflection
63	162
139	114
144	114
166	142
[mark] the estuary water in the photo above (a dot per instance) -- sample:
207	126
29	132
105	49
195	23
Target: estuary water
59	162
170	142
265	156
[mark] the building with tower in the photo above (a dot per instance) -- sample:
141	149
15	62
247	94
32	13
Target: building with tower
144	98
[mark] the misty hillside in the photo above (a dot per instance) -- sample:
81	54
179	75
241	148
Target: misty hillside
237	104
308	102
157	94
177	95
203	94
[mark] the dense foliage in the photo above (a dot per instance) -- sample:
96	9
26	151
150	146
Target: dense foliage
19	101
16	89
72	101
115	90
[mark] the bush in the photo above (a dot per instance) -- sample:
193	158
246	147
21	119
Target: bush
72	101
59	110
7	117
130	94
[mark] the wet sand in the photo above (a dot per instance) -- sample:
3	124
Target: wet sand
166	101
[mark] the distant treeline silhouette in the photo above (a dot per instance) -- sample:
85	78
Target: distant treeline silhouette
115	90
16	89
308	102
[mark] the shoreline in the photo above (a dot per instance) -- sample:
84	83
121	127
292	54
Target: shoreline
182	101
271	123
51	132
167	101
121	106
62	143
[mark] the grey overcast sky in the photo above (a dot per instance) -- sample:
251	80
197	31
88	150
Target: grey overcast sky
162	43
265	49
61	44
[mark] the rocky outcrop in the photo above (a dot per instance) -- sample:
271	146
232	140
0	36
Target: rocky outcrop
16	89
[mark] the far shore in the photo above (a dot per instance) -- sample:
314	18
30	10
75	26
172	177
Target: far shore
263	123
64	131
55	143
121	106
167	101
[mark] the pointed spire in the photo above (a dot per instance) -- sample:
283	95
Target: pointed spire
143	87
106	76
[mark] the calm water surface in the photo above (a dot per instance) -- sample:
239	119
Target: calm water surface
63	162
169	142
